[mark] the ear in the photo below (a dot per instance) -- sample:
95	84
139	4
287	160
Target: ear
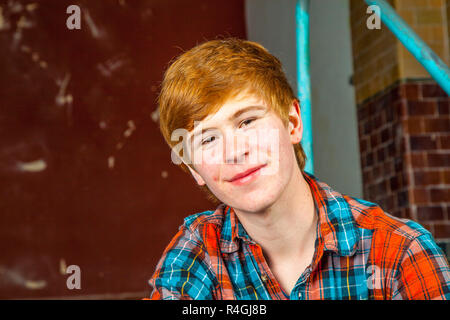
194	173
197	177
295	123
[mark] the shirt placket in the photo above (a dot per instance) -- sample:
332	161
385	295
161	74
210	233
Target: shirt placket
299	291
266	277
271	284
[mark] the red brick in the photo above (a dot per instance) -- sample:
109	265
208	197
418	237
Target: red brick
428	213
433	91
424	178
367	127
380	155
444	107
390	113
410	91
402	198
404	213
386	134
398	164
395	94
391	202
394	183
407	160
444	142
437	125
422	143
445	176
363	112
438	159
371	191
363	145
413	125
369	159
377	121
367	176
440	195
421	108
377	171
442	230
388	168
400	109
406	179
391	150
382	188
420	195
418	160
401	180
374	140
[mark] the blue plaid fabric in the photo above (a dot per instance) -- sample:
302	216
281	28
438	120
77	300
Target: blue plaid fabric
361	252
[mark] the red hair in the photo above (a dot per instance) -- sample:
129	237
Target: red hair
201	80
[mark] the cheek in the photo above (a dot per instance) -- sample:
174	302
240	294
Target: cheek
278	150
212	156
286	151
271	143
209	172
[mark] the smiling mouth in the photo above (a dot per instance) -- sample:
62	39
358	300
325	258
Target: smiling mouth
247	176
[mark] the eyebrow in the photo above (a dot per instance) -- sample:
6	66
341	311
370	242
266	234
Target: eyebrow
234	116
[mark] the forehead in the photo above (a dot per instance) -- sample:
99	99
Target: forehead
232	106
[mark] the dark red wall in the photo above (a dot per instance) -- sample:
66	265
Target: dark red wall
85	175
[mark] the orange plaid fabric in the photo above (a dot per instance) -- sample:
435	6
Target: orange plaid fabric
361	252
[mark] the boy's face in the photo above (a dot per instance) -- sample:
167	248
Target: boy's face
245	155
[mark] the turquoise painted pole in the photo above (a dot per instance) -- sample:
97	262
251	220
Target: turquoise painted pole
418	48
303	79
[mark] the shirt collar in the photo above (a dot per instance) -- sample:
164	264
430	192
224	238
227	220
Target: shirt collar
337	229
232	230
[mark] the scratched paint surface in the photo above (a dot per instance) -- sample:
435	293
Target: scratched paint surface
85	176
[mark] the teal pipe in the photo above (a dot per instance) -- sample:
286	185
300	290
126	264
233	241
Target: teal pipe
418	48
303	79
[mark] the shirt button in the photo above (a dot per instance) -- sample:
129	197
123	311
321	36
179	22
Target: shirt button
299	295
264	278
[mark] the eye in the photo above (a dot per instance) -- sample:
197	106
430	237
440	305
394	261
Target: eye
247	121
207	140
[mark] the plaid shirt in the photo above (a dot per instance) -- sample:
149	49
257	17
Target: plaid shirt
361	252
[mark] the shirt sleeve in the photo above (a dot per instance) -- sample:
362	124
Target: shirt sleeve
424	272
182	273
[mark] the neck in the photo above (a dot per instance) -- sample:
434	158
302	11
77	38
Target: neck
288	227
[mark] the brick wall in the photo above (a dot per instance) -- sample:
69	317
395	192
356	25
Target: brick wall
403	117
404	135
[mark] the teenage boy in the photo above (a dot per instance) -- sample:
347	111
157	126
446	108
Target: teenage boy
277	232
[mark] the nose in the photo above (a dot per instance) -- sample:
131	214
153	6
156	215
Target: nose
236	148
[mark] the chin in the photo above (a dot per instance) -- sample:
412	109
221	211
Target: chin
252	204
260	197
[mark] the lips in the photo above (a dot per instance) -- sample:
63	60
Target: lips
245	173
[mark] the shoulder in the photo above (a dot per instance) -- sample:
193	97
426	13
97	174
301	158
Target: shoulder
417	263
363	214
184	270
389	238
192	235
201	226
196	221
370	216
